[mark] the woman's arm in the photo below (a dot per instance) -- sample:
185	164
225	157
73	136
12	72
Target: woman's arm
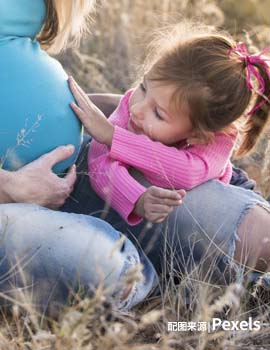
36	182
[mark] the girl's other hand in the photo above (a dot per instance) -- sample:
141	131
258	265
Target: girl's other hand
157	203
94	121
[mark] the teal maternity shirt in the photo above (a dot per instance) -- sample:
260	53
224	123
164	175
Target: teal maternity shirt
35	116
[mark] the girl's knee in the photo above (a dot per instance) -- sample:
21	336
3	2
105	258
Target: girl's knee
253	246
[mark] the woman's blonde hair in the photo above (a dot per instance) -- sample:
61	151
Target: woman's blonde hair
66	21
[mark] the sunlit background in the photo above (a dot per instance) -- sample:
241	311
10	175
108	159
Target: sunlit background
120	32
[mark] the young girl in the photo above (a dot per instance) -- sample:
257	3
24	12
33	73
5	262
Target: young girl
178	125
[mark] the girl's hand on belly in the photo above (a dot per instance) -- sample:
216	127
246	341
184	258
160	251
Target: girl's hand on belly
36	183
94	121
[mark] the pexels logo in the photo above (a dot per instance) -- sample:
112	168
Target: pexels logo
250	325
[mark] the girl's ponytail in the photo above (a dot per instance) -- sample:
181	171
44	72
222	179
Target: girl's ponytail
257	67
258	116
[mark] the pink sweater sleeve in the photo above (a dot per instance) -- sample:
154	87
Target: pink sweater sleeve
110	179
171	167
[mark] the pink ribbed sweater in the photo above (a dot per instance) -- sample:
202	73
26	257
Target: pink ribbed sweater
163	166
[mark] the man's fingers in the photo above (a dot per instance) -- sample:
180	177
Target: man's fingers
57	155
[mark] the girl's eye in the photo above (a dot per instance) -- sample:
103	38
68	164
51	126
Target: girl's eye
142	87
157	114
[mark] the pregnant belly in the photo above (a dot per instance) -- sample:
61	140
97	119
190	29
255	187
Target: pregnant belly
35	116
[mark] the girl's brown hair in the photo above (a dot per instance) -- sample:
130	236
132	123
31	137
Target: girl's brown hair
66	21
197	60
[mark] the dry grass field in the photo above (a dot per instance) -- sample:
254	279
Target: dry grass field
107	61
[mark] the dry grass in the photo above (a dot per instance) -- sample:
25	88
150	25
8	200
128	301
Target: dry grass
94	324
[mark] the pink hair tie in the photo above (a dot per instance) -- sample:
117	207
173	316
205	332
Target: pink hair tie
242	52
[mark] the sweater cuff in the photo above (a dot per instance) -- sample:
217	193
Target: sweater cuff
133	219
127	210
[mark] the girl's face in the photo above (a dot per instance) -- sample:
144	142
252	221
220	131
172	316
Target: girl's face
151	114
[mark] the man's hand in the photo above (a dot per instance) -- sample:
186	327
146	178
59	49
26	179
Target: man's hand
94	121
157	203
36	182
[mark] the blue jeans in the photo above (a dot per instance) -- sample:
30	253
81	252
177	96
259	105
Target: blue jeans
202	230
51	255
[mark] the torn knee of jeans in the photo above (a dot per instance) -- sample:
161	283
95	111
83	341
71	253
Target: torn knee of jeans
130	277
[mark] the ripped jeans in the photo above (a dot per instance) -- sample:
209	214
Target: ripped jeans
47	256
